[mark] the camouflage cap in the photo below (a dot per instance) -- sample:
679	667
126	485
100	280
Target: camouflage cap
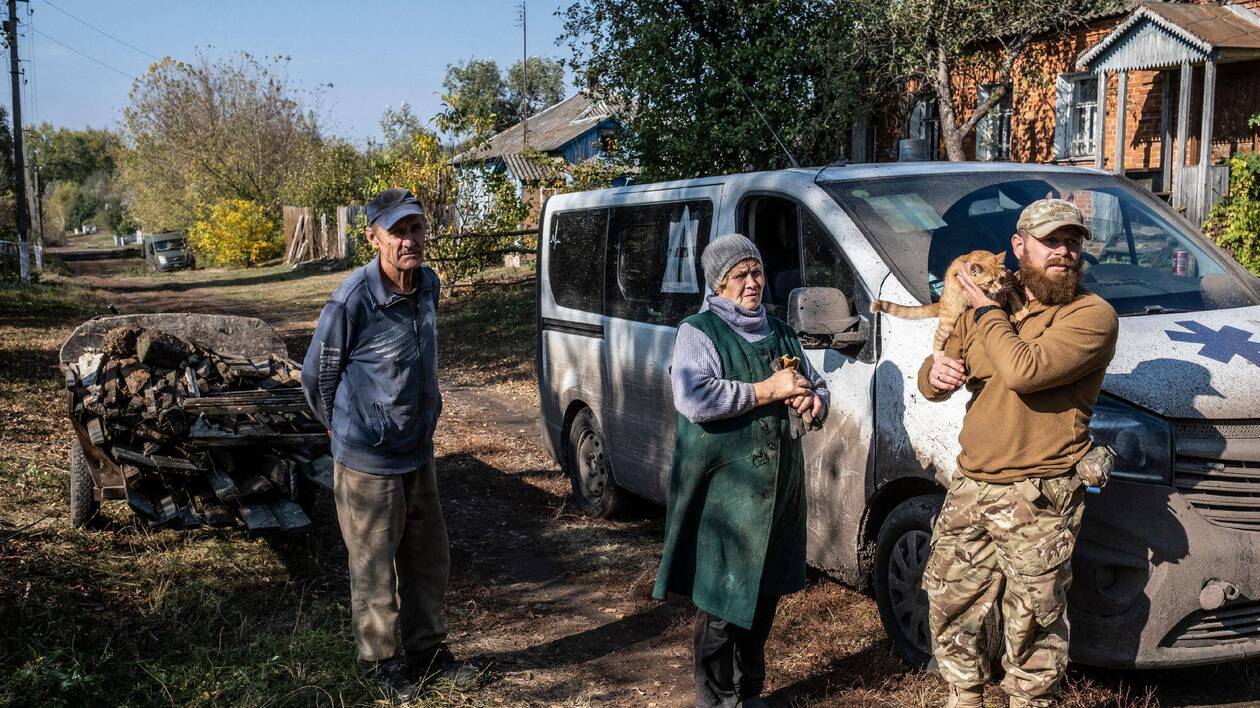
1042	217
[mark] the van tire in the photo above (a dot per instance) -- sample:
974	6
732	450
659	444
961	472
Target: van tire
586	461
901	552
83	504
907	533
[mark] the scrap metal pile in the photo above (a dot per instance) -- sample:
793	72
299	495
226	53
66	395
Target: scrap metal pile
201	437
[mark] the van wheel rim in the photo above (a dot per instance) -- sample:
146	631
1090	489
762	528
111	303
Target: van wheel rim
591	464
905	587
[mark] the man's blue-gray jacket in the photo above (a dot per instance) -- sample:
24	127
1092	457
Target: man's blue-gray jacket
370	374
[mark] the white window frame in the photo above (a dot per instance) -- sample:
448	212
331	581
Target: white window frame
993	132
1067	111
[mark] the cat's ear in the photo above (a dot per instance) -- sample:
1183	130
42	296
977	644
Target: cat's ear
1000	258
974	269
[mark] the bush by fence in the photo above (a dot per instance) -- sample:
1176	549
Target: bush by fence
236	232
1235	222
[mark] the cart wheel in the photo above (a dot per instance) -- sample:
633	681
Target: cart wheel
83	504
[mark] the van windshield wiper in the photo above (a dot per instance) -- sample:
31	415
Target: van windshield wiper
1154	310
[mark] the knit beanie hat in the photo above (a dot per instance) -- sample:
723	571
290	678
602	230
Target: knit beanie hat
723	253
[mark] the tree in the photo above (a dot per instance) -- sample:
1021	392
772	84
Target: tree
202	132
334	175
476	98
66	155
482	101
535	83
697	73
8	219
400	127
930	44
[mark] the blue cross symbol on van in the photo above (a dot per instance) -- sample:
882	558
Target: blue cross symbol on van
1222	345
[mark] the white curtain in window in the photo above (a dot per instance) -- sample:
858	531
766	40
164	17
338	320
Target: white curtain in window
1063	117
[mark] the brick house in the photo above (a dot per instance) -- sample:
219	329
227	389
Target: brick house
1163	59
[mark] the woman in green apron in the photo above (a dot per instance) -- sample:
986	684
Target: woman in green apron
735	526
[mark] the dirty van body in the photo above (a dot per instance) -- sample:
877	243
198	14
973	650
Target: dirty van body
167	252
1164	569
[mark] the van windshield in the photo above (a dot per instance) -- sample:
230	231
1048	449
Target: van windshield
1140	260
175	244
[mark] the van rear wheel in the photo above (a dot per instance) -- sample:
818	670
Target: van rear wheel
901	553
595	491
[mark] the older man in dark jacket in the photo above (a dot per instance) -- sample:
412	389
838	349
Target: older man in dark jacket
370	375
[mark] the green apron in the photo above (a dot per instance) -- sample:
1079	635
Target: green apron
735	519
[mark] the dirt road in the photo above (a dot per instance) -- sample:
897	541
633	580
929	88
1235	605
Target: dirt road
556	603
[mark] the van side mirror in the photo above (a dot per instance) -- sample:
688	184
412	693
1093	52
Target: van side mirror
823	317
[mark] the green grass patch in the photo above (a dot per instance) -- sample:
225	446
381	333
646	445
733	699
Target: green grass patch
488	336
46	303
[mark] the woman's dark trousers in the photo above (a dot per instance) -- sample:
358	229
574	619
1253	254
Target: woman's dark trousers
730	661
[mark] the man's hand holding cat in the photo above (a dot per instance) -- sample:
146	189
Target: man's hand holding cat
975	295
947	374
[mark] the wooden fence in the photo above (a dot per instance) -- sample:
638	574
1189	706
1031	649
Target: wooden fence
1186	190
314	236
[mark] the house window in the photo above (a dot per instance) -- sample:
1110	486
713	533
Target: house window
925	125
993	132
1076	110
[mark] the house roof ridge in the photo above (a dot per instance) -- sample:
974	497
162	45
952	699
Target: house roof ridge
1144	11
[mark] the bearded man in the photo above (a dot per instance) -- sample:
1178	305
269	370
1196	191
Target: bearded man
1010	519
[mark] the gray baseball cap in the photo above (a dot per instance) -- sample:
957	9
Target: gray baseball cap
391	205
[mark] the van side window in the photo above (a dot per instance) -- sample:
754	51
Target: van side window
576	268
824	265
773	224
654	265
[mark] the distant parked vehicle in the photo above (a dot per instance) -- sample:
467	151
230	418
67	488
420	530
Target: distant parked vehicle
166	252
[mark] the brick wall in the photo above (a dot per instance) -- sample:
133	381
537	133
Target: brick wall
1034	96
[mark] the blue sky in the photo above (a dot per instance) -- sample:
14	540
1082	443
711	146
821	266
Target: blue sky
374	53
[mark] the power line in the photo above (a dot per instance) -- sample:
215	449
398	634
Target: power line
85	56
98	29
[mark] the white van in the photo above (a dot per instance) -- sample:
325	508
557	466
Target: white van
1166	567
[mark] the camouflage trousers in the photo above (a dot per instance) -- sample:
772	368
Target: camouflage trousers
1007	543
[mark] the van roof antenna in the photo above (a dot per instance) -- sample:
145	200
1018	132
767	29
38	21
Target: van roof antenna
791	160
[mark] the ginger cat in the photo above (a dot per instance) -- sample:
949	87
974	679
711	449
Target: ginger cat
987	271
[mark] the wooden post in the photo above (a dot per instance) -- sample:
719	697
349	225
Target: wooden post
1183	123
1205	137
1100	122
1165	130
1122	141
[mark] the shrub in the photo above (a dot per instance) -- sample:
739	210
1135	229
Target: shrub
236	232
1235	221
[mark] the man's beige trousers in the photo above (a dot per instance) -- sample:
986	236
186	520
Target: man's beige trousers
399	560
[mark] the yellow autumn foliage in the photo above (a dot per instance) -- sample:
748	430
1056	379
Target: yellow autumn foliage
236	232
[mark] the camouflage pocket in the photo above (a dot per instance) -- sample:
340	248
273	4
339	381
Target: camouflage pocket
1043	573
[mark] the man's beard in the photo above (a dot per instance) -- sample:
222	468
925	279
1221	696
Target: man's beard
1052	288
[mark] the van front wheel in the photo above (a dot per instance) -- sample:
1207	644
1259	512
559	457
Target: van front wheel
595	491
901	553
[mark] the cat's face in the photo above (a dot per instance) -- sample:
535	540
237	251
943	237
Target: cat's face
988	271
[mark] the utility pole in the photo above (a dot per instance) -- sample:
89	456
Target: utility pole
37	219
20	207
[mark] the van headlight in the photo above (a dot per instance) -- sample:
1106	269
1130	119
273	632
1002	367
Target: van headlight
1142	442
162	260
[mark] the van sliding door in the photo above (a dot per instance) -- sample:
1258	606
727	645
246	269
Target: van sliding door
653	281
